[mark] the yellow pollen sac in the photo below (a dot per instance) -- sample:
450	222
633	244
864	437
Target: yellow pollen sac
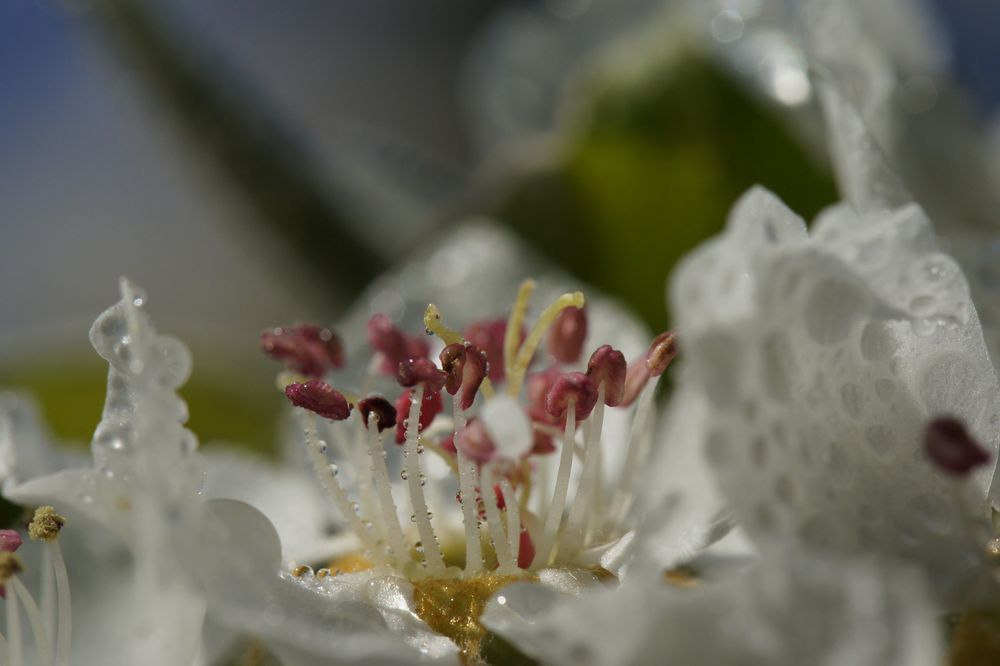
10	565
46	524
452	606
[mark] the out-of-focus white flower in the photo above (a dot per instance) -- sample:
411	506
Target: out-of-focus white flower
142	486
820	358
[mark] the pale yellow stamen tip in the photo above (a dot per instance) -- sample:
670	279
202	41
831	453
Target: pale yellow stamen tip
46	524
527	350
10	565
433	323
512	336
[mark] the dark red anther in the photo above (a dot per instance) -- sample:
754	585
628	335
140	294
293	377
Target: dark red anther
10	541
416	370
305	348
431	406
448	444
574	387
498	494
542	444
466	367
661	352
567	335
381	408
636	378
489	335
526	552
394	345
474	442
320	398
952	448
607	367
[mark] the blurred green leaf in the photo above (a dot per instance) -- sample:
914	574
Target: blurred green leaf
653	172
71	393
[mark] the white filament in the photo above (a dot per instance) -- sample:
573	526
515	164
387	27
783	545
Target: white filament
576	523
467	490
48	591
14	628
637	446
64	630
497	536
325	475
558	503
42	644
513	520
390	519
432	551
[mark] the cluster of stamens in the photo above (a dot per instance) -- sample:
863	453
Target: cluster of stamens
506	415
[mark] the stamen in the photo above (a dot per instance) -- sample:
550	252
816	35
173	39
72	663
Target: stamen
326	474
16	653
42	644
572	388
413	371
638	441
527	350
45	526
305	348
319	397
952	448
543	553
432	550
507	563
467	489
434	325
512	336
466	367
568	335
390	518
513	521
607	369
575	525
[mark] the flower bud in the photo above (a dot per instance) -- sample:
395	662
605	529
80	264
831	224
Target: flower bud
416	370
661	352
382	408
305	348
572	387
607	367
951	448
431	406
320	398
466	367
567	335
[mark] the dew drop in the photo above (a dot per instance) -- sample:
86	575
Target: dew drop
403	475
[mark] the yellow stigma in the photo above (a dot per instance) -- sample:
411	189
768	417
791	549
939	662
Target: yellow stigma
434	324
46	524
527	350
10	565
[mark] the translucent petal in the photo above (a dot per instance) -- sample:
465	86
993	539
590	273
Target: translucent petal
792	609
820	380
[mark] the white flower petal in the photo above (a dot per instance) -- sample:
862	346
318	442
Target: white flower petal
820	378
793	609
